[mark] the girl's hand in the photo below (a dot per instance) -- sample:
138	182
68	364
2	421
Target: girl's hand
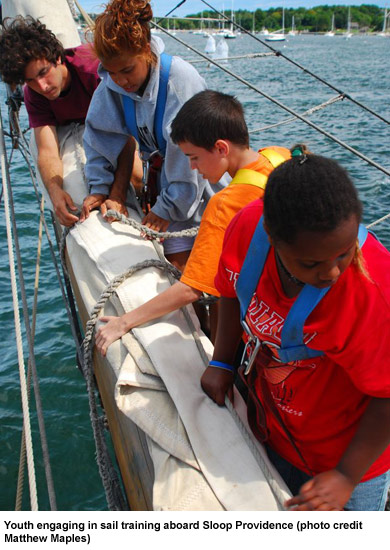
113	204
217	383
90	203
329	490
109	333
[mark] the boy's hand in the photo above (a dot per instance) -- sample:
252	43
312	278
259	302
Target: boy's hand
91	203
109	333
113	204
154	222
327	491
217	383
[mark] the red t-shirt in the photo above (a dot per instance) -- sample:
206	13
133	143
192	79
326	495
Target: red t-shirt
321	400
72	106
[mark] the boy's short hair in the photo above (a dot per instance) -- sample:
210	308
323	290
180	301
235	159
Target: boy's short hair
22	40
209	116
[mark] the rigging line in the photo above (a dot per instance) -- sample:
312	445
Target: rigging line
169	13
279	53
382	219
55	262
293	118
49	479
234	57
22	375
281	105
32	363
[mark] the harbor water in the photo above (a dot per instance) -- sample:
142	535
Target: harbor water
358	66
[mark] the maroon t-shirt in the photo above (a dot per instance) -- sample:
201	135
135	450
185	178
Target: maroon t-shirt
73	105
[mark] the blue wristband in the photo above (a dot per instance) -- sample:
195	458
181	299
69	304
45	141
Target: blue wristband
220	365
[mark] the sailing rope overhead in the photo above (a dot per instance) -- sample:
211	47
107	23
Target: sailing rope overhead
301	67
293	118
278	103
234	57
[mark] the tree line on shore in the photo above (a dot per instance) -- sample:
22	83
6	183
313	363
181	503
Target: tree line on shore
316	19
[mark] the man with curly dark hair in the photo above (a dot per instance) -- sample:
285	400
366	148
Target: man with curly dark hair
59	88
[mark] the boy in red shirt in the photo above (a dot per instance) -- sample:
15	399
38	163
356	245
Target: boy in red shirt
211	131
325	415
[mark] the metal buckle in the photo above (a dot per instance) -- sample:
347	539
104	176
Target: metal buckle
146	158
251	348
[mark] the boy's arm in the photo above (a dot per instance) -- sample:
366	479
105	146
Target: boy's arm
51	170
174	297
331	490
217	382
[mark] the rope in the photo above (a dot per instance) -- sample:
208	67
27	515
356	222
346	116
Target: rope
150	233
32	364
234	57
293	119
50	485
22	376
281	105
110	485
307	71
378	221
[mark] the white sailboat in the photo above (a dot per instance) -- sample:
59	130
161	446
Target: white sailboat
276	36
293	32
383	32
230	34
348	34
331	32
201	31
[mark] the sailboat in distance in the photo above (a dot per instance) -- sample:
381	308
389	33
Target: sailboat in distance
348	34
276	36
331	32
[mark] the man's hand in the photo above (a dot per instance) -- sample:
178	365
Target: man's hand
327	491
154	222
62	203
113	204
91	203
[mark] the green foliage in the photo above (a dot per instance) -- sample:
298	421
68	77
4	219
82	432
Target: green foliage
317	19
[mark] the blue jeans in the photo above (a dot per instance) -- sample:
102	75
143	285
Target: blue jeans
368	496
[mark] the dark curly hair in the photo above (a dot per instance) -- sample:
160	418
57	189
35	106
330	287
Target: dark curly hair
308	193
22	40
123	26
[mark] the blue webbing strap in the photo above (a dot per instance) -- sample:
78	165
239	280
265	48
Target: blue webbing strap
292	347
129	107
252	267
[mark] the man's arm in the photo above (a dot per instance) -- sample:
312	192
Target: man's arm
51	169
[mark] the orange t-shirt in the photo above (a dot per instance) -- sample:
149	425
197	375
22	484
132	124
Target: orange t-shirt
202	265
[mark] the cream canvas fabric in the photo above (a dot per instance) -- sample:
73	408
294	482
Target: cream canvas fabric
158	371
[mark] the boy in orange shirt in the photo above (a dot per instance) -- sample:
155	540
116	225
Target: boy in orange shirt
211	131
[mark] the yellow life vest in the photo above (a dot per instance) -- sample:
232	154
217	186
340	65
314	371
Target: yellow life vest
252	177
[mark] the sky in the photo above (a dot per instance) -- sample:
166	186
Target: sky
162	7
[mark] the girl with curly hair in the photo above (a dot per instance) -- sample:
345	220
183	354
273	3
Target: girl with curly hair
131	71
